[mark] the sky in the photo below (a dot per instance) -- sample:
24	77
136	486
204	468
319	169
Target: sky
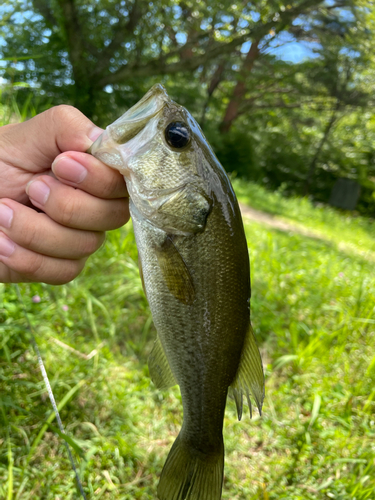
294	52
285	47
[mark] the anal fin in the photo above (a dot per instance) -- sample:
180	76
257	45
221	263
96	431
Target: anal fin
160	371
249	378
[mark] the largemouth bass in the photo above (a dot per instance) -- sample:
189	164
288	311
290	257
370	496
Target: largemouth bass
195	270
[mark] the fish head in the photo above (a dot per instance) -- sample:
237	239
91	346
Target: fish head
166	161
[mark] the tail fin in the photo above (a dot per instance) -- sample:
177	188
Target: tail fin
191	475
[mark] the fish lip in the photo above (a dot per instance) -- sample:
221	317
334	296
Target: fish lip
135	118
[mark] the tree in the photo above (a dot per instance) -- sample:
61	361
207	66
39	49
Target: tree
299	124
76	50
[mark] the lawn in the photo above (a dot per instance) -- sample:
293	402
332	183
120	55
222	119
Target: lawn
313	312
342	229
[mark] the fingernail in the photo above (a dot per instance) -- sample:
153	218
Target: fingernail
38	191
69	169
95	133
7	246
6	216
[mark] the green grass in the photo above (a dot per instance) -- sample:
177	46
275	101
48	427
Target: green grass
342	228
313	310
11	111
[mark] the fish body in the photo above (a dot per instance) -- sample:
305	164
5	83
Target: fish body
195	271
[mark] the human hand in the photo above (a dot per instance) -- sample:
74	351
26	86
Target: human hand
43	164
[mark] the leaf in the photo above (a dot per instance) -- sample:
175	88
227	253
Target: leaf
284	360
315	409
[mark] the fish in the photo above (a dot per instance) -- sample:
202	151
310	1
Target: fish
195	271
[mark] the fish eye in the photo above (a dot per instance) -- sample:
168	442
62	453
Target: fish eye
177	135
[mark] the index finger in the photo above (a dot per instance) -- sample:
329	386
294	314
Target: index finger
89	174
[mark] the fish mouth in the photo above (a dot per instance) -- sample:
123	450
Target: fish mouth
125	128
135	119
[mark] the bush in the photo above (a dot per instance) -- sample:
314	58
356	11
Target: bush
236	151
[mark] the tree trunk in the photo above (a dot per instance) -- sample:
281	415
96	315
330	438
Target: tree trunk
239	91
84	87
322	142
84	98
215	80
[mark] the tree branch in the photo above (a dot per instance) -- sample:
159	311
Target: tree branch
123	28
43	8
160	66
73	31
239	91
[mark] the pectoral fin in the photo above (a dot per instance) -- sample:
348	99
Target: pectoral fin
175	272
160	371
249	377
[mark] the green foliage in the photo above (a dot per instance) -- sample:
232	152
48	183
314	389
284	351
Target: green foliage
236	153
18	103
313	313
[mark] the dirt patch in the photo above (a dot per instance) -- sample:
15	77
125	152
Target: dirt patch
271	220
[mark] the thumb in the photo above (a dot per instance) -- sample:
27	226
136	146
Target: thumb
34	144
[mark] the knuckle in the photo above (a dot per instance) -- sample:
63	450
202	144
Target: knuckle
29	238
69	118
91	242
39	268
119	214
67	208
30	235
111	185
67	271
64	112
123	214
5	274
31	267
